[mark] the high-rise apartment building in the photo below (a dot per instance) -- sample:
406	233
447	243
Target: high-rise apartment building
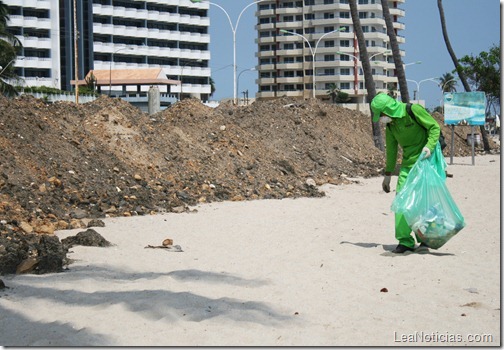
112	35
304	44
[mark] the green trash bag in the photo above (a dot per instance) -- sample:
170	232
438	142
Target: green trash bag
426	203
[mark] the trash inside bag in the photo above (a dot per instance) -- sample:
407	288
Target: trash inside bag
426	203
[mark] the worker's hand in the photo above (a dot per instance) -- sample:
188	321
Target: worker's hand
386	183
426	150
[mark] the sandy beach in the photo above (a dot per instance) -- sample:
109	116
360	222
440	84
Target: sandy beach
292	272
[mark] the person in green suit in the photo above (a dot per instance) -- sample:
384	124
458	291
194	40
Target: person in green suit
415	138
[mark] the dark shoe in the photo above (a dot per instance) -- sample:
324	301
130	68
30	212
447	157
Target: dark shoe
400	249
422	248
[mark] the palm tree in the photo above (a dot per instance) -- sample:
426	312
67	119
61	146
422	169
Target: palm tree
10	45
396	52
333	92
366	67
448	83
4	34
458	67
212	86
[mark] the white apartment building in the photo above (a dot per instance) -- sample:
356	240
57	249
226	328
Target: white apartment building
112	35
302	43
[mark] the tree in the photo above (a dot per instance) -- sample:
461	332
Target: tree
483	73
366	67
10	46
333	92
396	52
448	83
458	67
212	86
4	34
337	96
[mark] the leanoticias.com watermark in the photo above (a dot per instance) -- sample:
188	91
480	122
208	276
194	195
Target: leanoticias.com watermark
443	337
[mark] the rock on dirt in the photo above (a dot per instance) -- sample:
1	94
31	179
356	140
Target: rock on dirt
63	163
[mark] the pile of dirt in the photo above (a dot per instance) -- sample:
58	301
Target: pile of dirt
61	163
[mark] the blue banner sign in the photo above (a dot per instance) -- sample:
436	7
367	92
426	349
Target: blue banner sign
464	108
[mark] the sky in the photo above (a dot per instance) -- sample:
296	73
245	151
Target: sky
473	26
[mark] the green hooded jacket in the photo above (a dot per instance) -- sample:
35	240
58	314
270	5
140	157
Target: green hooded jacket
404	131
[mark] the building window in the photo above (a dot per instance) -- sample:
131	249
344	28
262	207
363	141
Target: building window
289	74
288	60
328	58
329	71
363	15
288	46
309	2
344	14
328	15
329	43
309	16
328	2
345	86
328	29
309	30
345	71
345	43
288	18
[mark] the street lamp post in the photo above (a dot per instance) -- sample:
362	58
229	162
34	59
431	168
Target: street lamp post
238	79
312	50
409	64
8	64
181	75
363	77
110	69
233	29
418	83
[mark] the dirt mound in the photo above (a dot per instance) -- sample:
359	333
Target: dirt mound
62	162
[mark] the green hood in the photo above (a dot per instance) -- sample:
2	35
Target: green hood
384	104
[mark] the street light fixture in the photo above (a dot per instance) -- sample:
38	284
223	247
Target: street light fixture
312	50
233	29
182	73
418	83
245	70
110	69
409	64
363	77
8	64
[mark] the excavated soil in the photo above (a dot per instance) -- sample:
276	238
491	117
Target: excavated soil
62	163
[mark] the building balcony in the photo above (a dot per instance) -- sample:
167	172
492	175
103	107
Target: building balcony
103	10
397	12
289	10
266	81
290	80
290	66
36	42
265	26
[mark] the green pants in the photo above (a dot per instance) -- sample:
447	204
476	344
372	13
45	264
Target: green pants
402	229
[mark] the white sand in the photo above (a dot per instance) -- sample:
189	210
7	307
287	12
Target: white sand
303	272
